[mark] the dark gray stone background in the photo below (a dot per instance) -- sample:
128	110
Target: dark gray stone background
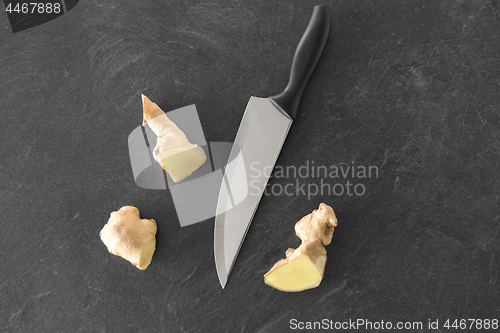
409	86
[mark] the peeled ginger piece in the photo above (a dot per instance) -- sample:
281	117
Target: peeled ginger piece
181	162
130	237
303	267
173	151
296	274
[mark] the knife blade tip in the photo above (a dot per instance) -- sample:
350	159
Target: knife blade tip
223	281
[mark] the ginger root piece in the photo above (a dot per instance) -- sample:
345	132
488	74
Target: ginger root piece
130	237
303	267
173	151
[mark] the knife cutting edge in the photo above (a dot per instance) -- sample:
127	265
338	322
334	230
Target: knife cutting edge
259	140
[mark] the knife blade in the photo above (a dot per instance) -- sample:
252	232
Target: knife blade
260	137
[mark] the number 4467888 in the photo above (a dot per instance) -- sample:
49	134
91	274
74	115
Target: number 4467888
478	324
34	8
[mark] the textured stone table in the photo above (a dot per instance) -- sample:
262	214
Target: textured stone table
409	88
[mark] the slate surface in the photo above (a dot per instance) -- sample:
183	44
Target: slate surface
408	87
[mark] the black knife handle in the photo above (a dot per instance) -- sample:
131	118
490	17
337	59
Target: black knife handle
306	58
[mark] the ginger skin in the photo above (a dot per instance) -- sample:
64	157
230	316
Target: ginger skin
173	151
303	268
130	237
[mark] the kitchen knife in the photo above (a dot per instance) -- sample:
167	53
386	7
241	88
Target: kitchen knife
259	140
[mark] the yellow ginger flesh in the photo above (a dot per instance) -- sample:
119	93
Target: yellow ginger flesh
130	237
173	151
303	267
